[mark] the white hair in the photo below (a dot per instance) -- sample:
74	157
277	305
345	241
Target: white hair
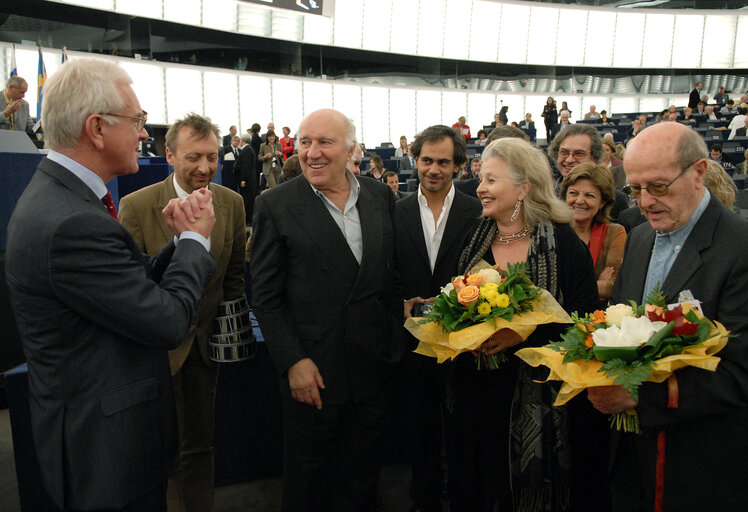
77	89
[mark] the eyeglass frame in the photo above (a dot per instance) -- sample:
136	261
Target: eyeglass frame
576	154
142	120
636	190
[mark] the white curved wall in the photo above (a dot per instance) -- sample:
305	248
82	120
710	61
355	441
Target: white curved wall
481	30
381	114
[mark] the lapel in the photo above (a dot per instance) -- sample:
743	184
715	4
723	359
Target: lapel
309	212
459	211
637	256
71	182
372	219
689	258
166	193
414	227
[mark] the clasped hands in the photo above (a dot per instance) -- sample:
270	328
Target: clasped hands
193	214
12	107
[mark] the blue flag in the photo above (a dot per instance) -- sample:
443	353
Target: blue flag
40	79
13	67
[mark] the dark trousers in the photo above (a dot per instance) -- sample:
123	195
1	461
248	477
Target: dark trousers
331	456
426	383
191	486
479	477
153	501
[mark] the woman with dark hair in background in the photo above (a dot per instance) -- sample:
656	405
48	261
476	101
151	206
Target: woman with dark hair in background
286	143
589	191
502	115
271	157
550	117
376	168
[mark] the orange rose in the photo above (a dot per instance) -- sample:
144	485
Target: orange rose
468	295
458	283
475	279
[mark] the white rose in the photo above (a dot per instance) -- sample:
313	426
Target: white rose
490	276
632	333
614	314
448	288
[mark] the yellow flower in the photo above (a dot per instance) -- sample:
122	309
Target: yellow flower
501	300
484	308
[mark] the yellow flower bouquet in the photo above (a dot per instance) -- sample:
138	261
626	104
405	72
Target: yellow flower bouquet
477	304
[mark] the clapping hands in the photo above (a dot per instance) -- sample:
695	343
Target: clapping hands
193	214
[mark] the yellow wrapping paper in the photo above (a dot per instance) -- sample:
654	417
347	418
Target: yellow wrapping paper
435	342
578	375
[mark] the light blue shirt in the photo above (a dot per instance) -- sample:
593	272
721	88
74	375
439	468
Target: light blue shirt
348	220
667	246
98	187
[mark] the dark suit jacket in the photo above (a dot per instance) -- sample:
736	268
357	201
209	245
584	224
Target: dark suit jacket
96	318
630	218
140	213
405	165
312	298
694	98
709	429
414	270
468	187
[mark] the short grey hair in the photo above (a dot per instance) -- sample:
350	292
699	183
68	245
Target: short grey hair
596	142
15	81
350	131
527	164
75	91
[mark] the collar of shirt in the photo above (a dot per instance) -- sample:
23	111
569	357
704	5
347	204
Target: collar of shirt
355	190
667	246
86	175
434	231
348	220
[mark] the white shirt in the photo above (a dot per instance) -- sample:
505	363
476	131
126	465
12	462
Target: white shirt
433	232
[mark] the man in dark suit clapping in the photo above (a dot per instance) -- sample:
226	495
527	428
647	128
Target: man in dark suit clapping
323	293
96	315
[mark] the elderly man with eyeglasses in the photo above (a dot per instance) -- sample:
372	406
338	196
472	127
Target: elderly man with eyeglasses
698	419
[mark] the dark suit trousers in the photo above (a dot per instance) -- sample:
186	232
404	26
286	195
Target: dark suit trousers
191	486
331	456
425	395
153	501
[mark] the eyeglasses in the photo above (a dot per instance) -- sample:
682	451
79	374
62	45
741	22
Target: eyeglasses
655	189
141	119
578	154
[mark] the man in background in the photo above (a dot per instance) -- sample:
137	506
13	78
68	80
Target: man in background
694	98
192	150
15	109
228	138
95	314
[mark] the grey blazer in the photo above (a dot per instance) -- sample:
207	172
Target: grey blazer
96	318
23	120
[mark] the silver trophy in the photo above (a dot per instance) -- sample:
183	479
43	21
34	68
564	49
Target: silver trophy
233	339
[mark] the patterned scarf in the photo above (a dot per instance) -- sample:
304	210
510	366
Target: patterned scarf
539	446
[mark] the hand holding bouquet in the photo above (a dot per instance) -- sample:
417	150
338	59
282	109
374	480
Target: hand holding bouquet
474	306
628	345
